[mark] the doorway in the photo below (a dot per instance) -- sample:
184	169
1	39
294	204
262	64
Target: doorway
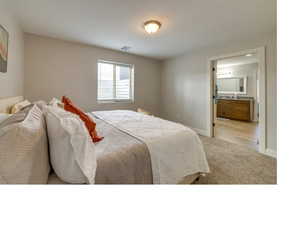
237	98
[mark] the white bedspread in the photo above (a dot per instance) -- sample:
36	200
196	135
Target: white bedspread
175	150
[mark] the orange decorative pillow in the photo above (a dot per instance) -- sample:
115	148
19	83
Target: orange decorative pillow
89	123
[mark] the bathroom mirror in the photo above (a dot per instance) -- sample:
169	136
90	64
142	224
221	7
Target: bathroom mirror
232	85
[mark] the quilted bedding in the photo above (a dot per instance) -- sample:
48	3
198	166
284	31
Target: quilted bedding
175	150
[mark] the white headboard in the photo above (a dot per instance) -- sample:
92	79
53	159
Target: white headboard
7	103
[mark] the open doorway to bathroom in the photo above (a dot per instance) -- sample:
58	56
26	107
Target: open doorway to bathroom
238	99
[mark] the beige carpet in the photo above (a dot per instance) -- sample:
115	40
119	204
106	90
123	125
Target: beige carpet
234	164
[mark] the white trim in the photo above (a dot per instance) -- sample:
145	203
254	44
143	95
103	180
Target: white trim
112	101
131	82
244	52
115	63
201	131
114	83
262	98
210	100
270	152
262	90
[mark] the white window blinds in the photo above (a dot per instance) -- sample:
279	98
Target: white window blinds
115	81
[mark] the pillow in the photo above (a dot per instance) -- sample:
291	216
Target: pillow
72	152
41	104
17	117
89	123
4	116
24	148
17	107
56	102
144	111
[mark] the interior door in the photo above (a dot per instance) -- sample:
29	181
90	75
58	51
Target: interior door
215	94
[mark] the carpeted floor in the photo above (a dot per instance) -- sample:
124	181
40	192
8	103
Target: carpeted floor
234	164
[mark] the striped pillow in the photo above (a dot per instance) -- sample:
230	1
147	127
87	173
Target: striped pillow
24	148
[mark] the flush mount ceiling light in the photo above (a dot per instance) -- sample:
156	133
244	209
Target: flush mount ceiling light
152	26
248	55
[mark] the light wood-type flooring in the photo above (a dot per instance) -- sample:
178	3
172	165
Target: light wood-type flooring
238	132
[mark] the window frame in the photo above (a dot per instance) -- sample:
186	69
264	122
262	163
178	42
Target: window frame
131	83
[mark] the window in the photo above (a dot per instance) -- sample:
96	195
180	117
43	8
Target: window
115	81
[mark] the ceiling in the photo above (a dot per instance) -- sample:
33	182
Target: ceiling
238	60
186	24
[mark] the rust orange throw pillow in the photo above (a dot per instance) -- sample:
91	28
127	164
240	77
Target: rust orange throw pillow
89	123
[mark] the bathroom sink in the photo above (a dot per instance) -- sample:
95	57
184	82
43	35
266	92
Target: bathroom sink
235	97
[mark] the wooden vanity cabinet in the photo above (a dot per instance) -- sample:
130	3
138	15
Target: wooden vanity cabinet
234	109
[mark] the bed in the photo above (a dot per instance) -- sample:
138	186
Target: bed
141	149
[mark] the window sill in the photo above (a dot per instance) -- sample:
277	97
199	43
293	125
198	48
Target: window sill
115	101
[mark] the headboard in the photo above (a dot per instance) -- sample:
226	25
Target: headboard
7	103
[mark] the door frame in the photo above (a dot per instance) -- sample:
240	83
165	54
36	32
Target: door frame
261	53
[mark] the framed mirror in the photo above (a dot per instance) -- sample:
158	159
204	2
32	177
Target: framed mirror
232	85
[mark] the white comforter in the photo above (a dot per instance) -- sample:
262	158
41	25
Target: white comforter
175	150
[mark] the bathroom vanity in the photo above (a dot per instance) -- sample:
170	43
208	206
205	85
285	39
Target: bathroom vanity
235	108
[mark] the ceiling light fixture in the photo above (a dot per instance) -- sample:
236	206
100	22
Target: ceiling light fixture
248	55
152	26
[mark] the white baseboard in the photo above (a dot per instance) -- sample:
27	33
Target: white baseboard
270	152
201	132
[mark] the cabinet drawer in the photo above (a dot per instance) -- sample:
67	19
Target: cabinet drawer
234	109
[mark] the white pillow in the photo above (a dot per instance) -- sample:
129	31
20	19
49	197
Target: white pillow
24	148
17	107
4	116
41	104
72	152
140	110
56	102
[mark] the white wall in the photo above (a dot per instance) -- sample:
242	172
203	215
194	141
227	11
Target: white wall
185	84
250	72
54	68
12	82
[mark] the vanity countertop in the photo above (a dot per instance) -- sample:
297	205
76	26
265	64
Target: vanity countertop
239	98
